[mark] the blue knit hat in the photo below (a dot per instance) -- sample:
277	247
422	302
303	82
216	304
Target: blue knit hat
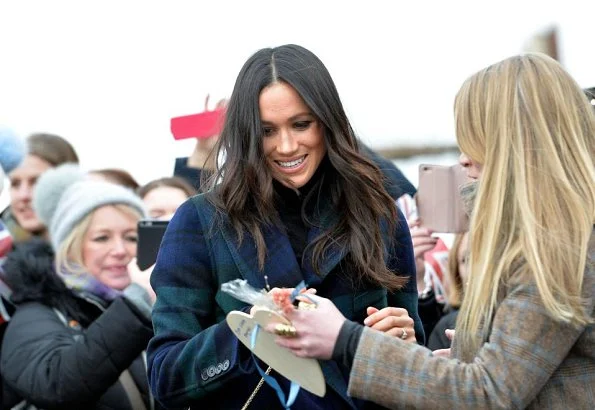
64	196
12	152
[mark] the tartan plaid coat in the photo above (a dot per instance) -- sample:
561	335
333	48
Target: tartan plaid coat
194	359
529	361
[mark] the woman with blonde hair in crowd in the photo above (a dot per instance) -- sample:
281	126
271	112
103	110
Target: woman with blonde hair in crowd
80	328
525	334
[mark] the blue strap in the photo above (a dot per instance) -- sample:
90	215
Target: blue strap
294	387
296	292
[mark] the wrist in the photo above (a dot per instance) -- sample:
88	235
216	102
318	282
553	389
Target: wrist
347	342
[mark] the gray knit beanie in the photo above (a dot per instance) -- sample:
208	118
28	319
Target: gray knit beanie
63	196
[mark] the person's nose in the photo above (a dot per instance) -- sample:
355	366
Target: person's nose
24	192
464	161
287	143
119	248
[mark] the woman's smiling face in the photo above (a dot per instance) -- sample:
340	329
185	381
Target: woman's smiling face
109	246
293	140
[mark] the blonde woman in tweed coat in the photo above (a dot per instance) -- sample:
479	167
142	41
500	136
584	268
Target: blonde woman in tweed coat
525	336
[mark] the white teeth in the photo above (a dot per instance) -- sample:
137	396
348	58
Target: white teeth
291	163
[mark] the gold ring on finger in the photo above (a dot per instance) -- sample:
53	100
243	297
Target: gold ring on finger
285	330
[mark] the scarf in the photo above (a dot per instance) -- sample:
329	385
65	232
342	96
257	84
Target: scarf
85	283
468	194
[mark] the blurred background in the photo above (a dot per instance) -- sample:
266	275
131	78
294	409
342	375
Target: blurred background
108	75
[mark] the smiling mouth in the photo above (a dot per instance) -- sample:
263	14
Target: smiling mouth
291	164
119	270
26	211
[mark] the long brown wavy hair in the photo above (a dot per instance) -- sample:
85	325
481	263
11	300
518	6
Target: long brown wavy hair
242	185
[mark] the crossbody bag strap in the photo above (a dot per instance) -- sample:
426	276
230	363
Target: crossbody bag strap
132	392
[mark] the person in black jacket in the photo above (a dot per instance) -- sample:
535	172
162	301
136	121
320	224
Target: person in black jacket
77	337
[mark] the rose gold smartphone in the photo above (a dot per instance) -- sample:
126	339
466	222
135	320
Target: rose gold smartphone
439	202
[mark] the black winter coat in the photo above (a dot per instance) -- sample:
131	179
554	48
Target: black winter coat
67	351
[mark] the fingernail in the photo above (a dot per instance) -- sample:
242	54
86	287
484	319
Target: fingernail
366	322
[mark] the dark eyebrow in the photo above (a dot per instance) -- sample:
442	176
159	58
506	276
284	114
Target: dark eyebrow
293	118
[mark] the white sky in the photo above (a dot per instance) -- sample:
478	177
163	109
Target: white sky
108	75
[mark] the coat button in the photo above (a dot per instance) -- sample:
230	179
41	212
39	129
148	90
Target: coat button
211	371
204	375
225	365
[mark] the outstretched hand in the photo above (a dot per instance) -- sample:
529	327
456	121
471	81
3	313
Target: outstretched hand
317	329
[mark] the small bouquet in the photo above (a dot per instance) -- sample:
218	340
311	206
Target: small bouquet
278	299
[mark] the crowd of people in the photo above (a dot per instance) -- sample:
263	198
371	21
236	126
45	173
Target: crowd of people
287	196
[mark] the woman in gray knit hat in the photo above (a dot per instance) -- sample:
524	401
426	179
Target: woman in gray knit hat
81	325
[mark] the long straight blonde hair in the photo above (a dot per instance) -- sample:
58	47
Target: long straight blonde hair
530	126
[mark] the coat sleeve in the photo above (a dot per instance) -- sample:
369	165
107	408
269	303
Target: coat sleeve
52	366
402	262
524	349
190	355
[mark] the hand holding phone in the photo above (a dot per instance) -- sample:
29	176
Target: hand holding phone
439	202
150	233
202	125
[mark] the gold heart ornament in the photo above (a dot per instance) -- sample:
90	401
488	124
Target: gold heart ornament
305	372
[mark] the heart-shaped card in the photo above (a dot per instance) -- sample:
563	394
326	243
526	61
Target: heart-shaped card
305	372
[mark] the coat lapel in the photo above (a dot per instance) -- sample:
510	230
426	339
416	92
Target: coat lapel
283	270
281	267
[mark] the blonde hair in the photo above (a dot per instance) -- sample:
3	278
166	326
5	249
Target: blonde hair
455	289
69	257
530	126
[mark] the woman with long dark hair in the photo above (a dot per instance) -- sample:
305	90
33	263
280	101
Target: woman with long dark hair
295	200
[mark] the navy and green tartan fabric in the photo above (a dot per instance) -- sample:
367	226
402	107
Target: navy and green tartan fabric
194	359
